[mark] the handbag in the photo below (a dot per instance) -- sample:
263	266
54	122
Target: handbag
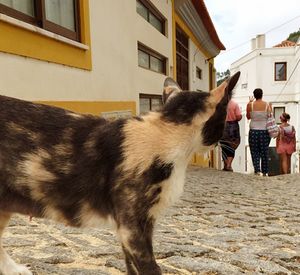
272	127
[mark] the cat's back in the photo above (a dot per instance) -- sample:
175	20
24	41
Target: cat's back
33	114
21	117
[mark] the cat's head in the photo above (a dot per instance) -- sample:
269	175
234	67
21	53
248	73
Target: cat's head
206	110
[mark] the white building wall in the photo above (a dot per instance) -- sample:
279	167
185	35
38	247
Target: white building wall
115	28
197	59
257	71
147	81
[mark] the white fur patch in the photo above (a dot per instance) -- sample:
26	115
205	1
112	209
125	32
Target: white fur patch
53	214
90	218
33	172
34	169
171	190
9	267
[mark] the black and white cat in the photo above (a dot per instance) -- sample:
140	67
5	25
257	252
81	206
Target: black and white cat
81	169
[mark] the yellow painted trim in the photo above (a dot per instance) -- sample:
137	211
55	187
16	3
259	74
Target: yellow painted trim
174	41
200	160
19	41
94	107
190	34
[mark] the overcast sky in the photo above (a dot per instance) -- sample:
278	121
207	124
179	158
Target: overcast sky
238	21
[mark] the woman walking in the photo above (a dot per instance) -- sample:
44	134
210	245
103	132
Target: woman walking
231	137
259	139
286	143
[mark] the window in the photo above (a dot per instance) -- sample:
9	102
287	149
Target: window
277	113
150	103
57	16
182	59
198	73
151	60
280	71
25	6
151	14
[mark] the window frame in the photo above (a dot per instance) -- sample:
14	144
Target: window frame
39	19
155	12
152	53
275	113
150	97
182	59
285	71
198	73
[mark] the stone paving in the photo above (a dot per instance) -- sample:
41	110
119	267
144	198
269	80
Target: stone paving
225	223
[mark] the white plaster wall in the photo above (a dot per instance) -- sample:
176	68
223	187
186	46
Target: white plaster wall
197	59
257	71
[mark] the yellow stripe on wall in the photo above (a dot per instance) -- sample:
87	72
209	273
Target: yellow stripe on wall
94	107
200	160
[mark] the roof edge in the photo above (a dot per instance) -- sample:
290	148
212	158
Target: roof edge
205	17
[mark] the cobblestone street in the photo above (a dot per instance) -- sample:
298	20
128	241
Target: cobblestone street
225	223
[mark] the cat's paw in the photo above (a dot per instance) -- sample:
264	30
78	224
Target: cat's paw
11	268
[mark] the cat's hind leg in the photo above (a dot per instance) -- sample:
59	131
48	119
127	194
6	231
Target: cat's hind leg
7	265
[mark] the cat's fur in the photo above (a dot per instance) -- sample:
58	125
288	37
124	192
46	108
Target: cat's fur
81	169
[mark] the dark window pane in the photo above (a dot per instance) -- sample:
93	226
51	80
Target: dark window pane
142	10
280	71
198	73
144	105
143	59
155	22
185	67
61	13
156	64
149	59
150	102
57	16
148	12
156	104
24	6
182	54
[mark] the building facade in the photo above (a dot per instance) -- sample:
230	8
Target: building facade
276	71
105	57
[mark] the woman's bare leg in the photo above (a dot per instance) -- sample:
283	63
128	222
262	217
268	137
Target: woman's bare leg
288	164
284	163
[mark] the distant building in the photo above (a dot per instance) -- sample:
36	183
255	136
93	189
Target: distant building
277	71
105	57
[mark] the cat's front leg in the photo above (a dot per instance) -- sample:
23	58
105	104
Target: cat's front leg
131	269
136	238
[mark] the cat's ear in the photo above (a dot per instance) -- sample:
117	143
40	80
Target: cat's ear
171	88
225	88
231	82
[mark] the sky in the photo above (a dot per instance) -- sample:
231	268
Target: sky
238	21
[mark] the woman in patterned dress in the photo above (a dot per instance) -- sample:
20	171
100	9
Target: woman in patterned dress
231	136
